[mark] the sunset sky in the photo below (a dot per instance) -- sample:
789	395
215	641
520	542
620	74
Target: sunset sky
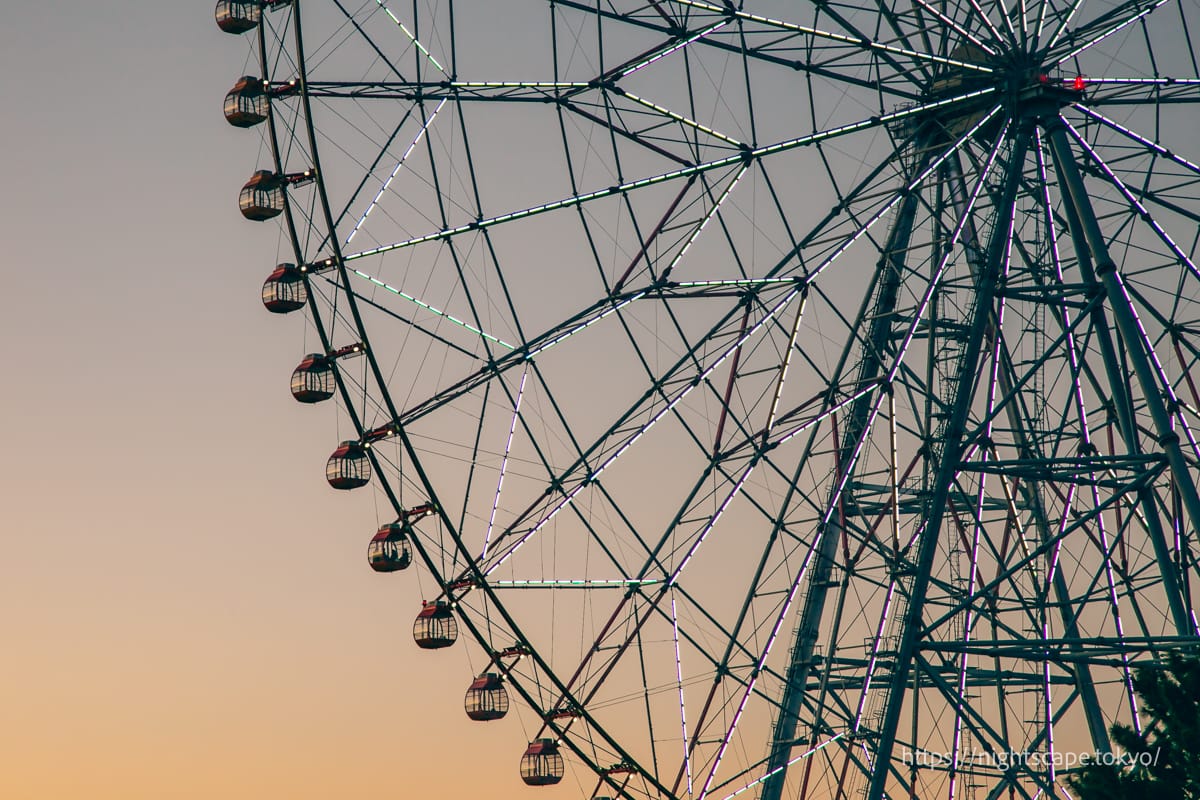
186	610
185	607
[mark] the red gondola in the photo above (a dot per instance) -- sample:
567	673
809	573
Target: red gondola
435	627
284	290
486	699
348	467
542	764
238	16
247	104
262	196
313	380
389	550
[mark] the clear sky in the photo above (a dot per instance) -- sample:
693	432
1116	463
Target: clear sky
185	607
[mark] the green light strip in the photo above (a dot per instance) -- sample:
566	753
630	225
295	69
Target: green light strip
680	118
430	308
685	172
409	34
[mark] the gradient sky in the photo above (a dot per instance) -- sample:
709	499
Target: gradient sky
185	607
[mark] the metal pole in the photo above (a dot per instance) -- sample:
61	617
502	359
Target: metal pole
1092	245
981	319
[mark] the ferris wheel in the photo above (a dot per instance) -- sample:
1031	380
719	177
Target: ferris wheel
787	399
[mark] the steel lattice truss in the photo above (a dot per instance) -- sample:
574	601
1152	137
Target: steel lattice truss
801	386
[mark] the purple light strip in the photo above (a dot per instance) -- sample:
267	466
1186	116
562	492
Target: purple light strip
687	752
1072	347
1133	201
504	462
1137	137
958	231
1146	81
712	212
783	370
391	177
699	380
1086	428
1177	413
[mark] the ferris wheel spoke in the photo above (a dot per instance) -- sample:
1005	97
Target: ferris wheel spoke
1064	22
614	122
1144	214
985	18
411	36
959	29
1090	245
855	38
1090	34
687	172
851	453
681	119
392	176
1133	201
834	68
1140	92
356	24
458	91
675	386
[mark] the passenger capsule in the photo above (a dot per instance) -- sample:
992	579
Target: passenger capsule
247	104
435	627
284	291
238	16
262	196
486	699
389	550
348	467
313	380
542	764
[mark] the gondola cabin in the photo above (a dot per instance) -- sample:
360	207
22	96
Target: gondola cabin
313	380
486	699
262	196
247	104
284	291
389	550
542	764
238	16
348	467
435	627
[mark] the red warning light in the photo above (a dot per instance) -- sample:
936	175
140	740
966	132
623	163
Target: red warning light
1043	78
1079	84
